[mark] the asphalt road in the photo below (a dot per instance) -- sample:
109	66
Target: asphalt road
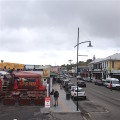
101	103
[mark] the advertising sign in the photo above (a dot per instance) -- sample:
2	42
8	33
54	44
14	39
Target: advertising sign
46	72
47	102
54	69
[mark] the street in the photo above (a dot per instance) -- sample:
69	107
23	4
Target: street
101	103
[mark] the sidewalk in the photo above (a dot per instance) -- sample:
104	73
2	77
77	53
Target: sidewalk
63	104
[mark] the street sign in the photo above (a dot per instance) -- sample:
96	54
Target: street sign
47	102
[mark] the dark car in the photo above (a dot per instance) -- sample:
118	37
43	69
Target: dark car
68	86
99	82
81	84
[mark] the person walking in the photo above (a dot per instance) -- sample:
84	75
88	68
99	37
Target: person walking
111	86
56	95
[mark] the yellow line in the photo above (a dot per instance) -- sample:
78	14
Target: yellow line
89	115
64	107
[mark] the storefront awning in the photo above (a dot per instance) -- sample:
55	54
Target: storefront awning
23	74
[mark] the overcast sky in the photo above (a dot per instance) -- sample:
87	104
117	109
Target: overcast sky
45	31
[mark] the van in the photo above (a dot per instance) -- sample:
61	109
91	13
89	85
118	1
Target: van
114	81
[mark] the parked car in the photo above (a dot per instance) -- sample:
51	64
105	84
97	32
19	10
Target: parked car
81	93
69	85
103	80
79	77
87	79
81	84
98	82
59	79
64	82
70	76
72	88
114	81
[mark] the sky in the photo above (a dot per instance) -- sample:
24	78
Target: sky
44	32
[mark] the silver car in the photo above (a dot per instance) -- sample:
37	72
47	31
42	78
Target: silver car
81	93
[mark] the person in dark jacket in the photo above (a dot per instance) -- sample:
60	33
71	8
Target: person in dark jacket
56	95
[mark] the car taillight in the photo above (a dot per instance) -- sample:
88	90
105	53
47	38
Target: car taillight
74	94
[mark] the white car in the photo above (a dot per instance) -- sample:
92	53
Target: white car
81	93
114	81
72	88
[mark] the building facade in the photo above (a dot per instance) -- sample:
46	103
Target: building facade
106	67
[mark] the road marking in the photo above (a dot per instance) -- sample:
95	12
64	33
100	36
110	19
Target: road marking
89	114
106	111
84	118
116	99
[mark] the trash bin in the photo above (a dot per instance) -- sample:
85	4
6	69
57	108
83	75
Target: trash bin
67	96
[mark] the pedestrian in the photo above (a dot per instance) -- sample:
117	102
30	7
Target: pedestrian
111	86
60	86
54	80
56	95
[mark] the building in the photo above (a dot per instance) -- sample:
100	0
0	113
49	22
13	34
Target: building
105	67
82	71
9	66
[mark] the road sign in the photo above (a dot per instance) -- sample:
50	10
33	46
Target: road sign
47	102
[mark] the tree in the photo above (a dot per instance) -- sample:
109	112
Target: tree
88	61
80	63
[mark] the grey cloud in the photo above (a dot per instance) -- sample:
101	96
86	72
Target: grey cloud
56	23
101	17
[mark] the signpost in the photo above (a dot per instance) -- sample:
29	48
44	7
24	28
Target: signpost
47	102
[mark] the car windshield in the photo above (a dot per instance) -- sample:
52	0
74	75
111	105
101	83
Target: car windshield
80	90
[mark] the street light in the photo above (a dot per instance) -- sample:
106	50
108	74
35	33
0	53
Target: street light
77	59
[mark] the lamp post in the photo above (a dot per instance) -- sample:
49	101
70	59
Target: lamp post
77	59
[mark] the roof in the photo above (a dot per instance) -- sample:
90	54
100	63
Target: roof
112	57
97	60
23	74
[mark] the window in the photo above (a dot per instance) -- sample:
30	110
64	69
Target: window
115	82
80	90
108	81
102	65
107	63
112	64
